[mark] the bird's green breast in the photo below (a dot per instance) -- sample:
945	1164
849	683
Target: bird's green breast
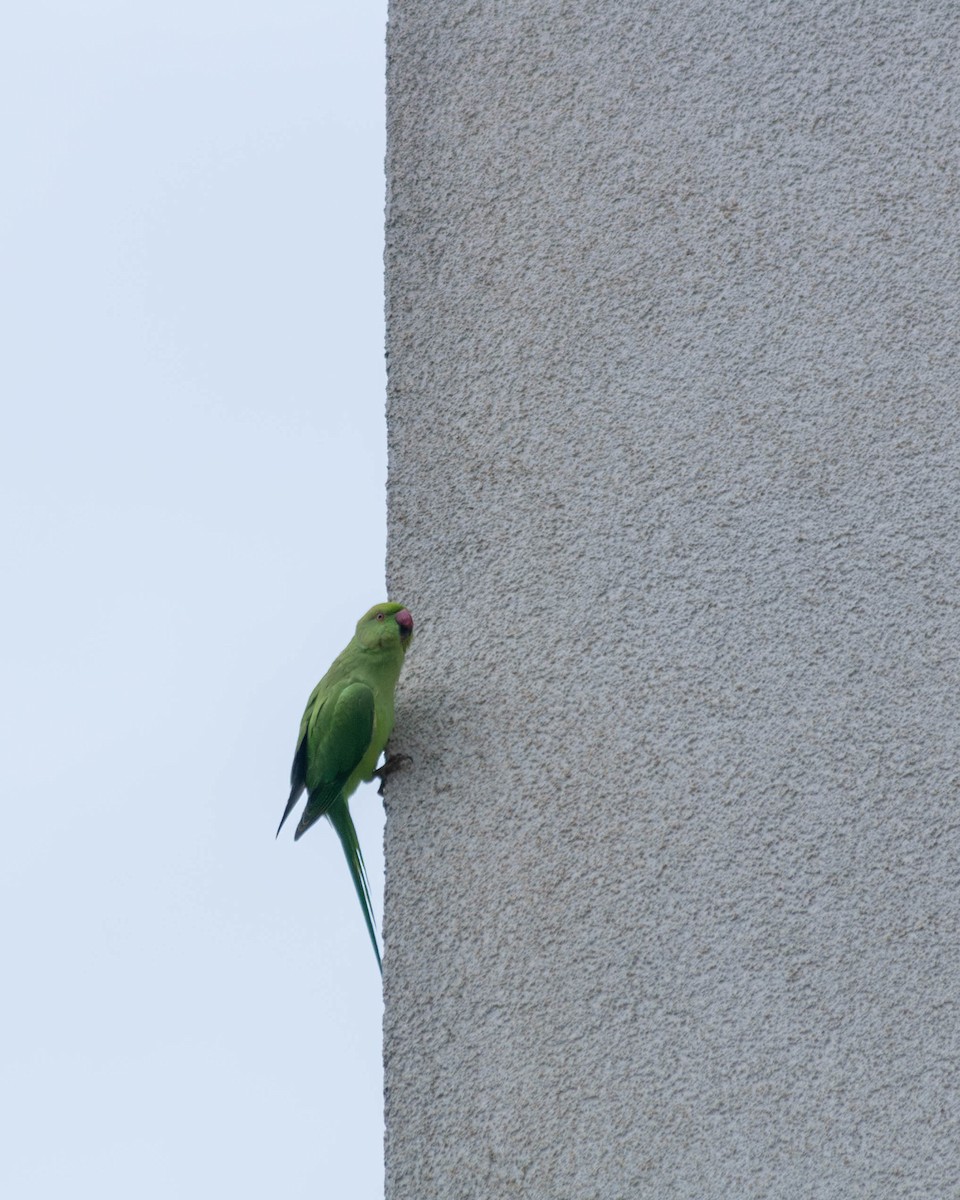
380	672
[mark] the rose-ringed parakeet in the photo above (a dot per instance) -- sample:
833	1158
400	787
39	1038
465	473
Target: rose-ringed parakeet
344	730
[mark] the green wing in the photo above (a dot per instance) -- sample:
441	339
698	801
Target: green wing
338	735
298	772
335	734
339	814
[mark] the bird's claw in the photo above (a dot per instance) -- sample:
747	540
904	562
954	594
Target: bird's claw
392	764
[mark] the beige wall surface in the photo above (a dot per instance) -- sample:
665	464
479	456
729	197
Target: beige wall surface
673	881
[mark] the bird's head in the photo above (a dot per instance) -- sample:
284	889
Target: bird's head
385	626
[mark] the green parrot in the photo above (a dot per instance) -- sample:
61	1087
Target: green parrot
344	730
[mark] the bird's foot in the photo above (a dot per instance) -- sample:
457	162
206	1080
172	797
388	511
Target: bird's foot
394	762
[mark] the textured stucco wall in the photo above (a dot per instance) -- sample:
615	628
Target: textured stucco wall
674	424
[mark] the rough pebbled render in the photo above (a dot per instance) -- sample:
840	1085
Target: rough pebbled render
674	496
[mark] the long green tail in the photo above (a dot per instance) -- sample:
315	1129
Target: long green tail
340	819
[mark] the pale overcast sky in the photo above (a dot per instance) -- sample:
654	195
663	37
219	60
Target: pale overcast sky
193	467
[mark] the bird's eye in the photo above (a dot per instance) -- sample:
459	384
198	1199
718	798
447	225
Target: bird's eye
379	616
